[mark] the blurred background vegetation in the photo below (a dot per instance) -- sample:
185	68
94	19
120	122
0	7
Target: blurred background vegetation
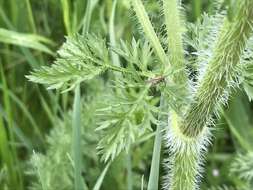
34	120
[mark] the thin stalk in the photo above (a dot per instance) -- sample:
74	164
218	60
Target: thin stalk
27	53
196	7
30	16
116	62
16	177
115	57
87	18
175	28
24	109
129	171
68	28
101	177
85	23
66	16
6	154
148	29
151	35
153	181
76	141
32	23
79	183
14	11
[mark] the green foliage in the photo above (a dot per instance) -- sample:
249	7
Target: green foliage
129	110
125	119
171	79
54	170
246	72
243	167
27	40
222	188
80	59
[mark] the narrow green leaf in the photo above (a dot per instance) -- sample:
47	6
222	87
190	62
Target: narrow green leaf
129	170
18	133
25	40
87	17
153	181
76	141
30	16
101	177
25	111
66	16
197	8
5	151
115	57
15	174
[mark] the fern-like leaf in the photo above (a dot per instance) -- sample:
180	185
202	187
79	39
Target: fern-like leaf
80	59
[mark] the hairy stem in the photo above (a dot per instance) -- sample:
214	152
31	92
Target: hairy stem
148	28
186	156
175	29
188	140
221	72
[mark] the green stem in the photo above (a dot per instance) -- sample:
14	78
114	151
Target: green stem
66	16
148	29
129	171
186	156
87	18
15	171
221	71
188	139
196	7
76	141
30	16
153	181
175	28
115	57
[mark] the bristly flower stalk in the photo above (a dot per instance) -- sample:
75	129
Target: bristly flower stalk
132	110
221	72
175	29
188	139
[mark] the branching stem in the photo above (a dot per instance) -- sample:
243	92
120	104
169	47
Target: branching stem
221	72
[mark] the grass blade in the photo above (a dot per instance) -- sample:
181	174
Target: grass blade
25	111
66	16
16	179
5	152
87	17
30	16
76	141
101	177
18	132
155	164
196	7
129	171
26	40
